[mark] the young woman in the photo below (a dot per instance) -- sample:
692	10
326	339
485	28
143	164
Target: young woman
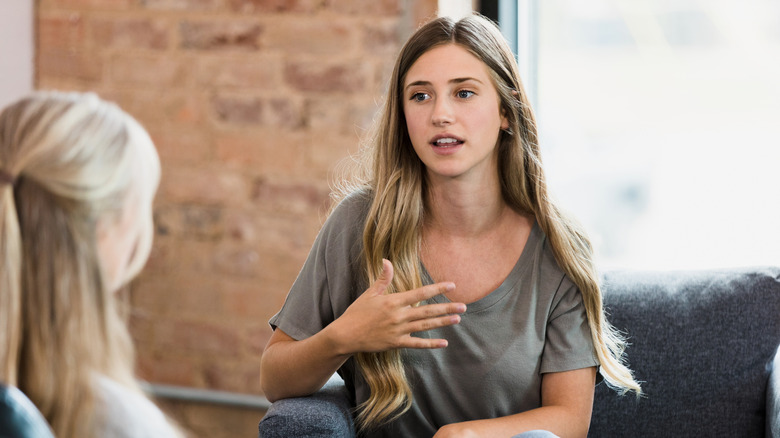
77	179
446	288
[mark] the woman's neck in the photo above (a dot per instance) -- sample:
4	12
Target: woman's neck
463	208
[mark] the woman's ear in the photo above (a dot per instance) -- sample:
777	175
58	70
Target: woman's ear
504	120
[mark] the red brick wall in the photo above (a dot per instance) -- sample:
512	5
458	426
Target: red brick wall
251	103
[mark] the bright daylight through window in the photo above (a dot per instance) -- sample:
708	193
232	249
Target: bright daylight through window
660	125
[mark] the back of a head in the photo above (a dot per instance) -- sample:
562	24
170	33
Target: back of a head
67	162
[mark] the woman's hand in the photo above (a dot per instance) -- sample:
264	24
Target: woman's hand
378	322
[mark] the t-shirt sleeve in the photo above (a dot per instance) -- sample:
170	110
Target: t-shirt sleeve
568	343
327	282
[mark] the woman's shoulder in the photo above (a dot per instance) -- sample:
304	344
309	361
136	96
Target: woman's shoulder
548	264
350	212
126	413
354	203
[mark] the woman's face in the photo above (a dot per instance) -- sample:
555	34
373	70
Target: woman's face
125	237
453	114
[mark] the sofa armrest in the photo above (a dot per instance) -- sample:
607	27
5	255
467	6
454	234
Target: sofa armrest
326	413
773	400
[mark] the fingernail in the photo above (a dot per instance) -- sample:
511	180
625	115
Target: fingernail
455	319
450	287
460	308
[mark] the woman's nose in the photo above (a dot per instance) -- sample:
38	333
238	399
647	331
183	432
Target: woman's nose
442	113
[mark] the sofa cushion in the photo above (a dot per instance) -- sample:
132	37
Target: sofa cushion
702	343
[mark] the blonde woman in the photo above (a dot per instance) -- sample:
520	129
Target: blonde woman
77	179
446	288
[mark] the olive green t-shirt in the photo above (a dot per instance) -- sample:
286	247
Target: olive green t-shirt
534	323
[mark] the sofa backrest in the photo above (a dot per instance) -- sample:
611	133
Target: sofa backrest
702	343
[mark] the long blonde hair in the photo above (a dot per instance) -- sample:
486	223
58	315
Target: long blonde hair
391	170
68	161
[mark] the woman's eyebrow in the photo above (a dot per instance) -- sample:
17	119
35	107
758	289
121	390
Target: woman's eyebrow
451	81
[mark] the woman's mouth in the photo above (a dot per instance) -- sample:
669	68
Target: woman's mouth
446	142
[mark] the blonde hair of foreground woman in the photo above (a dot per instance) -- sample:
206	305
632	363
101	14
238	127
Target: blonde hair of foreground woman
390	168
77	180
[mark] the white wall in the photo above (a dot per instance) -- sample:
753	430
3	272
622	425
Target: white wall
16	49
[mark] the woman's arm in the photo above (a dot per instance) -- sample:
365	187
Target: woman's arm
567	404
374	322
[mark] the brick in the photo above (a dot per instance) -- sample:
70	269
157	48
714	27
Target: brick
243	299
331	155
61	31
230	72
195	258
154	295
183	5
239	225
163	255
344	116
153	71
204	186
260	111
232	35
276	6
69	64
272	153
236	259
284	113
191	221
184	109
108	5
381	37
376	7
179	146
421	11
293	198
309	36
156	110
131	33
277	233
197	337
164	369
239	110
326	77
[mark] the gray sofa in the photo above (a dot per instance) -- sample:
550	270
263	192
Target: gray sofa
704	344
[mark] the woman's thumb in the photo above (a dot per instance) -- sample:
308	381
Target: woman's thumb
384	278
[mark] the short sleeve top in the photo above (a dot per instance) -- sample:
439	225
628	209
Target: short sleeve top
533	323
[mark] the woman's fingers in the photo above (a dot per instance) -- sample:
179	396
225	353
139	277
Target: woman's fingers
434	310
413	296
423	343
433	323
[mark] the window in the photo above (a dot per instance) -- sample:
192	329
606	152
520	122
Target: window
660	125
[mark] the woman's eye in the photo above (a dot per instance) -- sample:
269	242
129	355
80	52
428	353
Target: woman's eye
465	94
419	97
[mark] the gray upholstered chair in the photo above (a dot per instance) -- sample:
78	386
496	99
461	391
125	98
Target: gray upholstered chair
704	343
